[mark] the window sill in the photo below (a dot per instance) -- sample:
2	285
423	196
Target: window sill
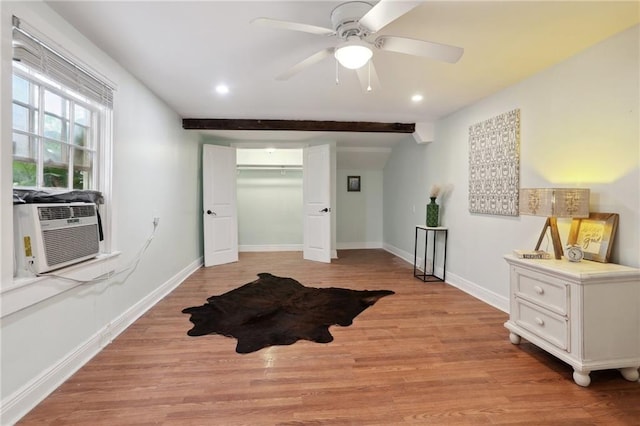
27	291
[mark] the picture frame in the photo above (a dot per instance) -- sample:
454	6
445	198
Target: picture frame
595	235
353	183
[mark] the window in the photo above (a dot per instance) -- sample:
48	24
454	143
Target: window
61	117
55	135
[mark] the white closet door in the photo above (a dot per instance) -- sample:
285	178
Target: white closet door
316	200
219	202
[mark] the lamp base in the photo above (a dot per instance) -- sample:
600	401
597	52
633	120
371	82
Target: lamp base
552	223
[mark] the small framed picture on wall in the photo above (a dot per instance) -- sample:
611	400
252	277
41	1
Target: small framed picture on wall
353	183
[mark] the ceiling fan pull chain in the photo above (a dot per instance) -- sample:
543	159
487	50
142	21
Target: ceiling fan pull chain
337	76
369	84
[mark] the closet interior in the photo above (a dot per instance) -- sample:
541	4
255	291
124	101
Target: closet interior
269	191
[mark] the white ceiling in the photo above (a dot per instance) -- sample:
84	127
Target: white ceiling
182	50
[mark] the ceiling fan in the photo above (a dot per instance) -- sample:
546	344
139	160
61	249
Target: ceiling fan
355	24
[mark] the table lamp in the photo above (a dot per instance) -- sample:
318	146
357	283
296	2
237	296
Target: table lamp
554	203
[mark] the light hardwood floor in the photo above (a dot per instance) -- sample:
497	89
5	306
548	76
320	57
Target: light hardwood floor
430	354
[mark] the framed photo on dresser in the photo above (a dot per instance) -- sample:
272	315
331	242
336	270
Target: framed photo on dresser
595	235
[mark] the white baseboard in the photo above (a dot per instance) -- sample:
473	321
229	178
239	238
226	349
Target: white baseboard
16	405
473	289
481	293
271	247
357	246
408	257
404	255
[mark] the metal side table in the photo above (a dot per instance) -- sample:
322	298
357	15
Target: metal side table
424	274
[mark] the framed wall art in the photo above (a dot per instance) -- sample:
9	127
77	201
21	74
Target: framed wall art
595	235
494	165
353	183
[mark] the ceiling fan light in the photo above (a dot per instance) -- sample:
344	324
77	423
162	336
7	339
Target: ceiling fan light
353	55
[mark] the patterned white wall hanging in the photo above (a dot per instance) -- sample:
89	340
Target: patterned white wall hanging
494	165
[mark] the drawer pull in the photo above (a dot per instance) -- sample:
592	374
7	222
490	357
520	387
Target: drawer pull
538	289
540	321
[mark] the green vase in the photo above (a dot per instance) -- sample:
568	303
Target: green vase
432	213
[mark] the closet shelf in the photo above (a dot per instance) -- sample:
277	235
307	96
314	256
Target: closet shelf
268	167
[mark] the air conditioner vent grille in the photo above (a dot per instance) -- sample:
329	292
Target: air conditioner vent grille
66	212
54	212
84	211
65	244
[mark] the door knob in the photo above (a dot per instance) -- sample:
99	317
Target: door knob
325	210
210	212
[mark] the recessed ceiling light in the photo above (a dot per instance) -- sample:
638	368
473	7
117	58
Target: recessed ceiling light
416	98
222	89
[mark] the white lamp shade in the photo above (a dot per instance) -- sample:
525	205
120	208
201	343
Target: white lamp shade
353	54
556	202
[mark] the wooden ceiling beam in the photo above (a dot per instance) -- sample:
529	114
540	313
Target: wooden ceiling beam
296	125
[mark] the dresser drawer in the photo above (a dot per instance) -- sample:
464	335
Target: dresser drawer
542	290
545	324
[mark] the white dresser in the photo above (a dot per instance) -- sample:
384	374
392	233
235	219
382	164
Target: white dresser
585	313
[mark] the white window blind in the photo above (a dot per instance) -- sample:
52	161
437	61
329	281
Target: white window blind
31	50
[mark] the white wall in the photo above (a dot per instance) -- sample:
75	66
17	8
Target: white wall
359	214
579	127
155	173
405	196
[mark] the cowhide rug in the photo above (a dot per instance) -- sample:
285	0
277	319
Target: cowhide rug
279	311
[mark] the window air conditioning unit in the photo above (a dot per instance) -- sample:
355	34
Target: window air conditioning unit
52	236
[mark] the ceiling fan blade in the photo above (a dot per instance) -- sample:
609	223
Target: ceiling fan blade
295	26
428	49
313	59
368	77
385	12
